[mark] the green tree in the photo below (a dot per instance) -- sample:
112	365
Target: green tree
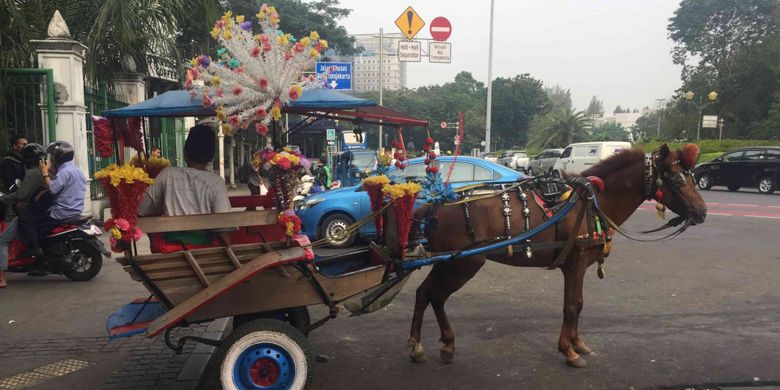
610	131
560	99
595	107
559	128
515	103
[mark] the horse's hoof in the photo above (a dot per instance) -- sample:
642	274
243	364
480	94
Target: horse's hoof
583	350
419	358
578	362
418	353
447	355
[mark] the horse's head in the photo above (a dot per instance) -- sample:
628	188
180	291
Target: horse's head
678	189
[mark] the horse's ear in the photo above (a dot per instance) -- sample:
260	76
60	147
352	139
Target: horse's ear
663	151
690	153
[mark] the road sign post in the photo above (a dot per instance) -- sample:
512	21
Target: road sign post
409	51
410	23
335	75
439	52
440	28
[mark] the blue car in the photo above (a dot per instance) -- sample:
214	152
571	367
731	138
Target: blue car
325	213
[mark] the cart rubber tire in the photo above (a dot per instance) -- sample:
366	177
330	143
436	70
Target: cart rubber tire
95	262
260	346
295	316
342	221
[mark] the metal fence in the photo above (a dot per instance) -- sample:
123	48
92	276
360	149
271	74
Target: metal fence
26	105
98	99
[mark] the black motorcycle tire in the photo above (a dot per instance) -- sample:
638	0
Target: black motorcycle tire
96	262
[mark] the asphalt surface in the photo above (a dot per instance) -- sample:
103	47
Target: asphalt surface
700	310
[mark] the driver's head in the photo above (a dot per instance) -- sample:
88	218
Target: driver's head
32	154
60	152
200	144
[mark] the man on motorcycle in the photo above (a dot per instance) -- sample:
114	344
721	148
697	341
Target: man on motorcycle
11	166
63	201
20	200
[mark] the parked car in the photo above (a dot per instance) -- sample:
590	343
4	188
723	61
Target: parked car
753	167
490	156
581	156
515	159
324	213
543	163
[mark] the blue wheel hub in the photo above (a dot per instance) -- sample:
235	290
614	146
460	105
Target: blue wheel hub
264	366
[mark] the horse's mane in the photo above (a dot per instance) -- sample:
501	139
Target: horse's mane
614	163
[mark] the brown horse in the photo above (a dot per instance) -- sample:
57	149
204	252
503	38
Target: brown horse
629	179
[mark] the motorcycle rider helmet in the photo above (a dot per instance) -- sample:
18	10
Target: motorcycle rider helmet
60	151
32	153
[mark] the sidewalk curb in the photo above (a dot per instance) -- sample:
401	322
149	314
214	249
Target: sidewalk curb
190	375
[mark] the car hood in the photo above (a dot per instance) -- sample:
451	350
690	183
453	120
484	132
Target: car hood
333	193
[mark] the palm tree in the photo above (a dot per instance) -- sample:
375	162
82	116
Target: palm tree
559	128
121	35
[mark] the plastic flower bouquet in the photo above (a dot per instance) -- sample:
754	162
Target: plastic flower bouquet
373	186
285	169
402	196
125	186
122	234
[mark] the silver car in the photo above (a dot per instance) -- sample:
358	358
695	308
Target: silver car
543	163
515	159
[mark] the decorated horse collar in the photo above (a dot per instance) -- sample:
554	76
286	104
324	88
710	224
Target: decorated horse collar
652	182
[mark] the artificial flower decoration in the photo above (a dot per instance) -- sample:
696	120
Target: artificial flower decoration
402	196
253	76
122	234
125	186
285	168
104	143
290	222
373	186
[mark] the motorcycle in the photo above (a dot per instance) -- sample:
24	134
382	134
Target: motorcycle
71	248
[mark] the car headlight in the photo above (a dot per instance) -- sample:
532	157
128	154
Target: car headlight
311	203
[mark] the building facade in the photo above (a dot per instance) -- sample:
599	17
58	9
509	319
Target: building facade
366	66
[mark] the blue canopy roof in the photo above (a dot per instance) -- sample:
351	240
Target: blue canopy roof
179	103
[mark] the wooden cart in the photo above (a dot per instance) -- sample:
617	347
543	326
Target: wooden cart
260	281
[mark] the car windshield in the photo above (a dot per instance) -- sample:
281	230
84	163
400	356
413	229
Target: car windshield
364	160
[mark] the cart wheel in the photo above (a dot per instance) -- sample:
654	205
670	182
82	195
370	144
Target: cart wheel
265	354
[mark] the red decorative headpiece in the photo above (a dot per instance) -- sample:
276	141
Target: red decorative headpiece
690	153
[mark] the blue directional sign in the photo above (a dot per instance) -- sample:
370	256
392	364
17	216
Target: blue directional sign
335	75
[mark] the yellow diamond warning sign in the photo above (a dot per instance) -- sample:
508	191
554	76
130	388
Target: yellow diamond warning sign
410	23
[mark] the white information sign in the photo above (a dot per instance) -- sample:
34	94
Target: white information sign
440	52
709	121
409	51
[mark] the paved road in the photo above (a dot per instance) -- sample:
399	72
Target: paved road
700	309
703	309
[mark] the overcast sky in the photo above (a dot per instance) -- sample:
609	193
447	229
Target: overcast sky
617	50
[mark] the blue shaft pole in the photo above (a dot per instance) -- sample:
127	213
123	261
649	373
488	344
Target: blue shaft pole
413	264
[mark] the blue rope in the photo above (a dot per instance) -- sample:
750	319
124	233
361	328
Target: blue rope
414	264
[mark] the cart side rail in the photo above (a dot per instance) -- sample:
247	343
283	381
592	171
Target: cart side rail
233	219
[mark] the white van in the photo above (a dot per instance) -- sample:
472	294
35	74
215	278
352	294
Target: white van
581	156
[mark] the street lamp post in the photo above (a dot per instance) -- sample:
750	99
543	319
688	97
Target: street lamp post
489	83
712	96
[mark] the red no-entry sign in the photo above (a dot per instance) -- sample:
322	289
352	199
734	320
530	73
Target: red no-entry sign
441	28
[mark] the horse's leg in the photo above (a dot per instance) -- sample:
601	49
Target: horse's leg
421	303
573	276
450	279
579	345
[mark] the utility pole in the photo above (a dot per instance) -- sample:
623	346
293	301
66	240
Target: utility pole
490	82
721	123
381	77
658	113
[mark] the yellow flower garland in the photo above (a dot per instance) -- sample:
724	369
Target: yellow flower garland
127	173
400	190
376	180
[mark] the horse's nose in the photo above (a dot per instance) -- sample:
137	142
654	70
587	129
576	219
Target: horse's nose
699	215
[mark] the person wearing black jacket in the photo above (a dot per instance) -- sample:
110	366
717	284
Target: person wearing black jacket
11	166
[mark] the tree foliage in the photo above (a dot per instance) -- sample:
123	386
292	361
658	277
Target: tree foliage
610	131
733	48
595	107
559	128
560	99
